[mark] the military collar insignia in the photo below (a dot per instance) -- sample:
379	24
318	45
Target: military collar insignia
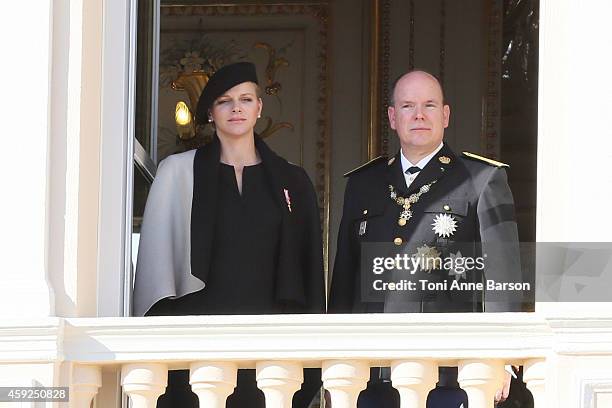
484	159
391	160
444	225
444	159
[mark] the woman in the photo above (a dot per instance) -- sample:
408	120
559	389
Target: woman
230	228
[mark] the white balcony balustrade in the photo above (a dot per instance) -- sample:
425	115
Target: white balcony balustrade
414	380
144	383
345	379
213	382
214	348
86	380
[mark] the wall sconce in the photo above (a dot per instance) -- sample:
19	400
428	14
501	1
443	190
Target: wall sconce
185	126
192	83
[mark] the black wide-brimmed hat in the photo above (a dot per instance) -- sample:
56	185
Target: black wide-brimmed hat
225	78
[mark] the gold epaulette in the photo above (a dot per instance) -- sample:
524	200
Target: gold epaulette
485	159
368	164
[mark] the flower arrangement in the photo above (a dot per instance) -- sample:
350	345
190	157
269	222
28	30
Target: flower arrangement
185	56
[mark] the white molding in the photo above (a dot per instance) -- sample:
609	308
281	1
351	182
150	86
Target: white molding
307	338
128	266
115	159
582	335
33	340
378	338
591	383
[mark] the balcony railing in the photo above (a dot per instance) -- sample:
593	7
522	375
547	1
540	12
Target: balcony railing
280	346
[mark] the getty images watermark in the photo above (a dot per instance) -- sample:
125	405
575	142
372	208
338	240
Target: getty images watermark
444	270
456	265
34	394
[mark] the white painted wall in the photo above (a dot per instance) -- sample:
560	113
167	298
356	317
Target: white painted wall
64	233
574	137
574	133
24	114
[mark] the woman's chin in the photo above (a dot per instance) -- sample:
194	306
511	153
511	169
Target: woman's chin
235	132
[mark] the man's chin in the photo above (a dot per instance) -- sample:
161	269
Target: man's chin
420	143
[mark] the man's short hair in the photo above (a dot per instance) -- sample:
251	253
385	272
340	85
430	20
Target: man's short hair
394	84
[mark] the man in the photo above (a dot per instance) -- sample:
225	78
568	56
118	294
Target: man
428	203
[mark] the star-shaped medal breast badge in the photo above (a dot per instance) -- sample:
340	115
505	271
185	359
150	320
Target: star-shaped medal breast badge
444	225
427	258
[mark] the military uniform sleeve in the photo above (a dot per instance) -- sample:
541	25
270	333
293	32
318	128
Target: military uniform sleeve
499	238
342	291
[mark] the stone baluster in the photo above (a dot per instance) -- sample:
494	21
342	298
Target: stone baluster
213	382
345	379
279	380
481	379
413	380
85	382
534	375
144	383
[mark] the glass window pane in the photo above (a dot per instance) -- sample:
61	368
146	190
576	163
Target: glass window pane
144	70
141	192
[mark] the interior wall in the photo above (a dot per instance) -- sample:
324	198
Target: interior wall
349	90
440	31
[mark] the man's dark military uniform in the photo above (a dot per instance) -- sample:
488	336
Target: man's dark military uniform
472	190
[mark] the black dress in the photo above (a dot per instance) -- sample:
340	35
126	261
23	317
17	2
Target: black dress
241	279
245	245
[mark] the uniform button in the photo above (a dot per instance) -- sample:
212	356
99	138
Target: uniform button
401	222
365	212
397	241
446	207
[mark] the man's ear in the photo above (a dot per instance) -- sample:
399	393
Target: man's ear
446	113
391	114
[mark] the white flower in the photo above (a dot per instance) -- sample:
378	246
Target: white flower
444	225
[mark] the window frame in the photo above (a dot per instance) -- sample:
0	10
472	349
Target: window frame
115	276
